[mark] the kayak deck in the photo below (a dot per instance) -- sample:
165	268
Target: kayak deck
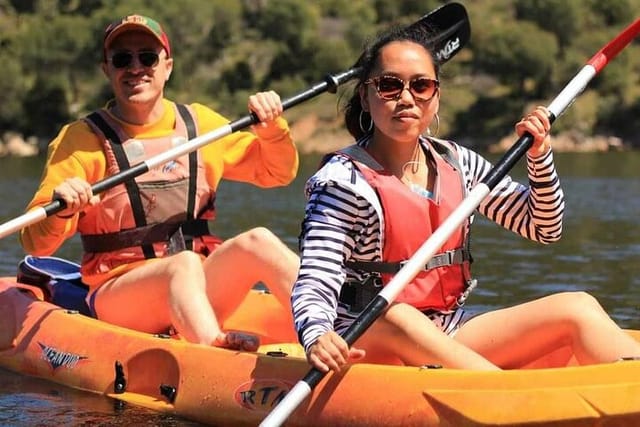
224	387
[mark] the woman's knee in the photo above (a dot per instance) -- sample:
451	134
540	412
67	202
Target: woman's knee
578	307
257	239
577	300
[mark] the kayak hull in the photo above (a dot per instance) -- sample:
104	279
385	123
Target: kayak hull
223	387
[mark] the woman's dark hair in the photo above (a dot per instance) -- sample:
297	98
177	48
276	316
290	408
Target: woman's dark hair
367	62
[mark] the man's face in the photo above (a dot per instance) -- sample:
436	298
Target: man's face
135	76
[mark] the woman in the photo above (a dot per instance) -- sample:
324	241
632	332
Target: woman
136	236
373	204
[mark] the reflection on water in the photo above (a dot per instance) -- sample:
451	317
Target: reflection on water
598	253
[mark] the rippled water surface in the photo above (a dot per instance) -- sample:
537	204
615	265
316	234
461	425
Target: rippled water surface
598	253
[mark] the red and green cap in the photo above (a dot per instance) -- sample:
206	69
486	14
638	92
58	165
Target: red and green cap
136	23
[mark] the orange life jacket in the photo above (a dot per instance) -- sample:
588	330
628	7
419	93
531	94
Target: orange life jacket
409	220
162	211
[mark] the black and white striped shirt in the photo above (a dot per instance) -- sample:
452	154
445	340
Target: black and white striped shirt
343	222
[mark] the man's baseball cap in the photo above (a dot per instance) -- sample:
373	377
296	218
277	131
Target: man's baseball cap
136	23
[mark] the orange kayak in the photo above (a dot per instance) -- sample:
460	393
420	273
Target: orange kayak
224	387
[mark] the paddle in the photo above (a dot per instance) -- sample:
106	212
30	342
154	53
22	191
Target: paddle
452	27
428	249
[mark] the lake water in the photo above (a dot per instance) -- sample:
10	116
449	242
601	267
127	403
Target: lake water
598	253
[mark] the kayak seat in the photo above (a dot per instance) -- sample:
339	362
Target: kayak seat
59	279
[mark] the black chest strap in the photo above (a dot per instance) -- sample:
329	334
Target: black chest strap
453	257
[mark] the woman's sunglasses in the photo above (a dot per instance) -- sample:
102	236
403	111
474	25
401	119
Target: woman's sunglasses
124	59
390	88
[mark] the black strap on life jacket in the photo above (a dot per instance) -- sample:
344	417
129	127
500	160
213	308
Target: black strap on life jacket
452	257
193	165
357	295
142	236
133	191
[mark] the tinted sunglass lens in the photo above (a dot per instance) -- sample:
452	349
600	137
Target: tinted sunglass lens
121	59
422	86
148	59
124	59
389	87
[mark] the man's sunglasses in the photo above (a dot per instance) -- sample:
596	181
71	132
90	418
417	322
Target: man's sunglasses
124	59
390	88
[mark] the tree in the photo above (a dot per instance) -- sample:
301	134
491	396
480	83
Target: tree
12	83
12	88
240	77
612	12
520	50
329	57
516	53
46	107
289	21
564	18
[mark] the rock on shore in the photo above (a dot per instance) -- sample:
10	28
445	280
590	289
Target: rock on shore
14	144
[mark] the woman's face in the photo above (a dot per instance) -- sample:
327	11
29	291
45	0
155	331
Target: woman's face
405	118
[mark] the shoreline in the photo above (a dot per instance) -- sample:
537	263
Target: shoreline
309	140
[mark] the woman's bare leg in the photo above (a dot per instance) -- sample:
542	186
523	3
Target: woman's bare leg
241	262
515	336
416	341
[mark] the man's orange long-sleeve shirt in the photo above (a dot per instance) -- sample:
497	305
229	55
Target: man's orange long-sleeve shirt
267	158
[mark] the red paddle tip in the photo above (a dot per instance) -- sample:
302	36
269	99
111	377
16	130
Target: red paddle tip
607	53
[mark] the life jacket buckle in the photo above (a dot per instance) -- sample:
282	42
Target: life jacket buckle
177	242
456	257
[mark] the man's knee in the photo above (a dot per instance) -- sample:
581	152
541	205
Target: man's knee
184	263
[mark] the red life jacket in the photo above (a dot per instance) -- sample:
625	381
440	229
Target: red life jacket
160	212
409	220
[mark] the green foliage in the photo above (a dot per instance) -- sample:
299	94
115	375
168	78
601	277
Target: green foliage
13	87
330	56
563	18
612	12
508	53
45	105
393	11
521	52
288	21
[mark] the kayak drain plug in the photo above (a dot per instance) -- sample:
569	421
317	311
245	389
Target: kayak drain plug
168	391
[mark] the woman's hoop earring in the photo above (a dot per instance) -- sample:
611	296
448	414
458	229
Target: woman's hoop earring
361	123
437	126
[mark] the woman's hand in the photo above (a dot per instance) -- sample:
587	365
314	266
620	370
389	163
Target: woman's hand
76	193
538	125
331	352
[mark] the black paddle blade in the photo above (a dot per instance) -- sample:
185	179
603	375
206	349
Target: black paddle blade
450	27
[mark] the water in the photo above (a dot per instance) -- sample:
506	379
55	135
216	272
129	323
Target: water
31	402
598	253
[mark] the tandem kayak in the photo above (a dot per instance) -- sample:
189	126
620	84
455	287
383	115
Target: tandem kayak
225	387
